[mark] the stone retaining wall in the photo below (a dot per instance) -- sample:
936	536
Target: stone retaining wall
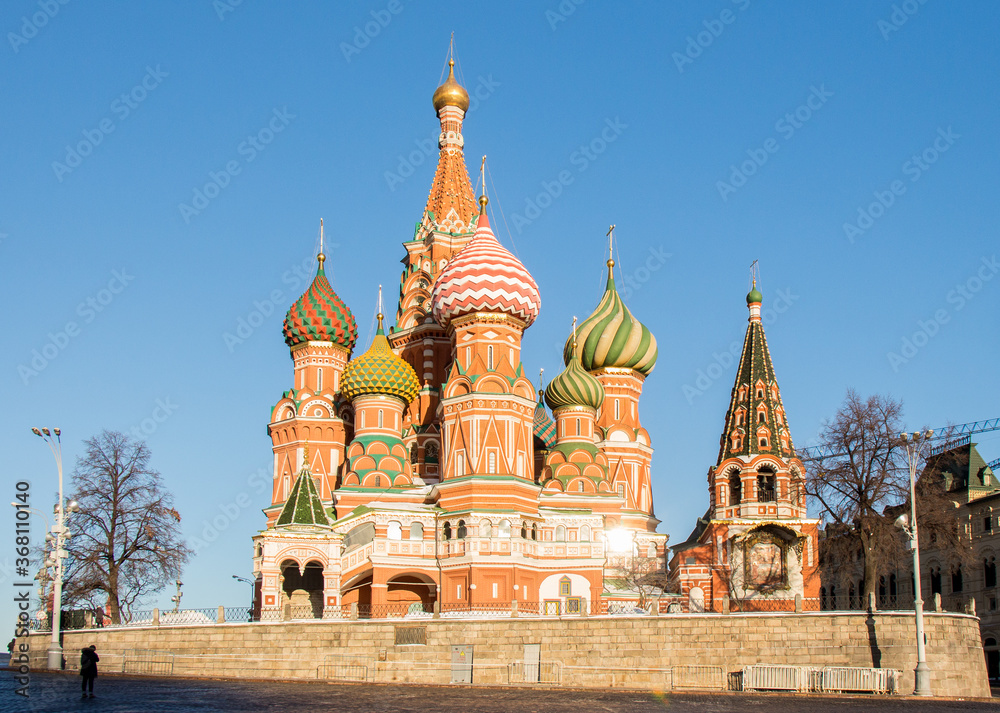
638	652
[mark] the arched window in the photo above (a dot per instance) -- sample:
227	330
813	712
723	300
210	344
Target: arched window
560	533
378	481
485	528
431	453
935	580
447	531
416	530
503	529
765	485
394	530
380	418
462	532
489	357
524	531
618	411
760	417
990	572
763	442
534	532
735	489
957	582
319	380
491	462
578	427
585	533
413	453
580	486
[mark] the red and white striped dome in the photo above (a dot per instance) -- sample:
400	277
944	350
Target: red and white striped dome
485	277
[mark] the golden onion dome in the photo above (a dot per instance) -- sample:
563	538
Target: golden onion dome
451	93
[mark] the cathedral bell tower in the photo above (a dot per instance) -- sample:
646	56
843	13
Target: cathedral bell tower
320	332
756	544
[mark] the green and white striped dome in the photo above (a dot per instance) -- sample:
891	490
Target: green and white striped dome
574	387
612	337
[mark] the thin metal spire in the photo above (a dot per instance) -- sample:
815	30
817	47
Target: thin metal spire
321	235
611	251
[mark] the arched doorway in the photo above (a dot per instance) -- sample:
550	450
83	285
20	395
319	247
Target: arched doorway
992	659
359	591
410	593
303	589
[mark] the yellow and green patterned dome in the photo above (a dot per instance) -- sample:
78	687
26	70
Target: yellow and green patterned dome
379	371
574	387
612	337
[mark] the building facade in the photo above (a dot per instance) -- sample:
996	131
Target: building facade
953	579
756	548
427	470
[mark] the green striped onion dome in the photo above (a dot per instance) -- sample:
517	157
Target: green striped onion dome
574	387
379	371
612	337
319	315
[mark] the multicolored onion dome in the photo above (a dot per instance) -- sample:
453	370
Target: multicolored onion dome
612	337
451	93
485	277
319	315
379	371
574	387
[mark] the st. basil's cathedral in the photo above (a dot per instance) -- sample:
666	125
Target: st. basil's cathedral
425	473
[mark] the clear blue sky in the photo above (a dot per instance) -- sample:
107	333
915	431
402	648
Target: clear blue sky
905	111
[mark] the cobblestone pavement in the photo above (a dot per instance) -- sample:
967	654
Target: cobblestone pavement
51	693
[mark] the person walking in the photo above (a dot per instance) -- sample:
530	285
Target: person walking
88	668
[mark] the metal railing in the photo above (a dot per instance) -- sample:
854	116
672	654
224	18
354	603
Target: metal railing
337	671
860	680
698	677
542	672
148	661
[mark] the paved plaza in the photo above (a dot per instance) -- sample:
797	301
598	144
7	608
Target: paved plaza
125	694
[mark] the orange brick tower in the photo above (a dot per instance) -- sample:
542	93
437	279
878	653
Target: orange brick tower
756	544
445	227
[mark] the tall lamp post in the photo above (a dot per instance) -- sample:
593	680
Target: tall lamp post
914	444
59	533
253	591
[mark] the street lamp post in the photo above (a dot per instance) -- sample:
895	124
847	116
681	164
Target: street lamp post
55	652
914	445
253	591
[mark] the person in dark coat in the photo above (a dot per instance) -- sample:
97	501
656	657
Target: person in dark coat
88	668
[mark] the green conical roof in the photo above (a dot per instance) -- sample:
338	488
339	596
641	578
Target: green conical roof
303	506
612	337
380	371
574	387
762	411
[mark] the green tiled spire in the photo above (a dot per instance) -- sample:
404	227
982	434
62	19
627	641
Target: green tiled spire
303	506
755	408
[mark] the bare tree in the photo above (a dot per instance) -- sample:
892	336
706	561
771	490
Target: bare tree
126	540
643	575
861	488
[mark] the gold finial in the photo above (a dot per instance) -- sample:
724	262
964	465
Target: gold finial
321	257
574	333
451	93
611	251
379	316
541	384
483	200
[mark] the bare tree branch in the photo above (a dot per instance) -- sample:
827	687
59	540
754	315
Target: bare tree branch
126	542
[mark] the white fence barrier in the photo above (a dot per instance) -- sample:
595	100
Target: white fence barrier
864	680
768	677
